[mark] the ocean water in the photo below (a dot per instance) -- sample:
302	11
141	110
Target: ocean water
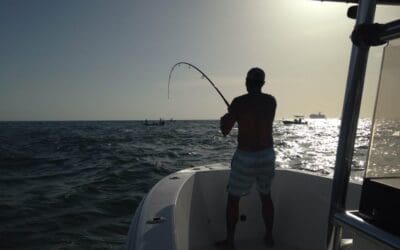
76	185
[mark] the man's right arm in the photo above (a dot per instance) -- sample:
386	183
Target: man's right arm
228	120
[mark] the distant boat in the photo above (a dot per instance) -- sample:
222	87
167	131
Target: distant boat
155	123
317	116
299	120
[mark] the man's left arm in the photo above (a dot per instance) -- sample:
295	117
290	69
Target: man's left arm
273	108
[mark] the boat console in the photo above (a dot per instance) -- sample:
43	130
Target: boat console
378	216
376	223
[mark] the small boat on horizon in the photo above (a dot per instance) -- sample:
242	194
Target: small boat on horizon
317	116
299	120
161	122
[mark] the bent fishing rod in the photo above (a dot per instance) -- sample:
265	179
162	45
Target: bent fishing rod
203	75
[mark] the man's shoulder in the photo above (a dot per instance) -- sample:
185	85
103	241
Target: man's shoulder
246	97
269	97
237	103
241	97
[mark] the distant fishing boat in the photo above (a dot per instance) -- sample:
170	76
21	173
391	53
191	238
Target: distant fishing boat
186	210
154	123
317	116
299	120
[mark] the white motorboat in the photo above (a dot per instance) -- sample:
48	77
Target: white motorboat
186	210
299	120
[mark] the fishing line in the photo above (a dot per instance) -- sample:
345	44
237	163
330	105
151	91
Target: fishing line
203	75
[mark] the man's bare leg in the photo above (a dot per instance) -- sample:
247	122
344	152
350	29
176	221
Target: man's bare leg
268	215
232	217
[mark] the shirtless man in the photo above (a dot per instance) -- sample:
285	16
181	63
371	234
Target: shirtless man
254	159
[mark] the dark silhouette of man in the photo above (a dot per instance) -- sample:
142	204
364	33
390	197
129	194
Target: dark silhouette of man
254	159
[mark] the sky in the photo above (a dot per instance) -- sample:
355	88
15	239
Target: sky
110	60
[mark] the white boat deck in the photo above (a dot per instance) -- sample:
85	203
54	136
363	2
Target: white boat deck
191	204
256	244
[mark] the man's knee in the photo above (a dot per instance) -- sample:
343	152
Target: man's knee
265	198
233	200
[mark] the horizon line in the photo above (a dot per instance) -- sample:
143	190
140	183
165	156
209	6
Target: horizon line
141	120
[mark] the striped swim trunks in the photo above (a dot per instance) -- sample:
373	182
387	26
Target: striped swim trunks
250	167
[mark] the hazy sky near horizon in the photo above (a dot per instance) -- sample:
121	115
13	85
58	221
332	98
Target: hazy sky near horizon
110	60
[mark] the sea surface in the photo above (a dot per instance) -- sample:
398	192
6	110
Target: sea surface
76	185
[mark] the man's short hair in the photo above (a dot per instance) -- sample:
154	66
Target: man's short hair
256	76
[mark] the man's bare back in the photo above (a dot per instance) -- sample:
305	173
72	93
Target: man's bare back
254	113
